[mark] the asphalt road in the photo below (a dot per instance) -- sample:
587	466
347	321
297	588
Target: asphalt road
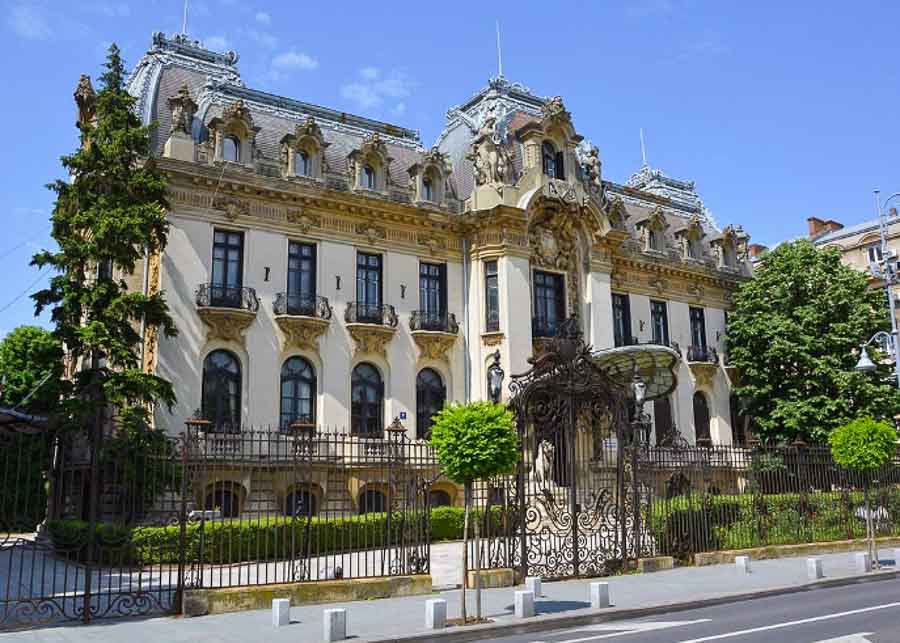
852	614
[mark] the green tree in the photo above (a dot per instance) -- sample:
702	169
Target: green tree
864	446
473	442
107	218
793	334
31	365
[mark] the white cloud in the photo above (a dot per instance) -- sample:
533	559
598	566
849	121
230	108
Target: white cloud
372	88
294	61
263	38
29	22
263	18
216	43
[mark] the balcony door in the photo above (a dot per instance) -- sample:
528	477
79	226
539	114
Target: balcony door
549	303
368	287
432	294
698	328
301	278
227	268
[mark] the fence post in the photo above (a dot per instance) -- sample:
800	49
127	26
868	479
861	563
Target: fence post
182	524
96	435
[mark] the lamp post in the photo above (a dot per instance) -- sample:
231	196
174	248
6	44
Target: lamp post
495	376
885	268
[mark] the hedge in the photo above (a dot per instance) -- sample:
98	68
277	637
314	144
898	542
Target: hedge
685	525
265	539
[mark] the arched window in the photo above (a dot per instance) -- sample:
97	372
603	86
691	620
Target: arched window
662	420
369	177
225	498
221	391
298	392
372	501
427	189
430	397
231	149
439	498
302	165
301	502
367	400
701	417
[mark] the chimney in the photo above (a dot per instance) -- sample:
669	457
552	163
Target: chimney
816	226
756	250
831	225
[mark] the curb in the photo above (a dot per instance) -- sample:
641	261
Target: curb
542	623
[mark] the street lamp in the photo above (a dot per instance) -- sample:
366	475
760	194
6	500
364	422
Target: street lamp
495	376
887	345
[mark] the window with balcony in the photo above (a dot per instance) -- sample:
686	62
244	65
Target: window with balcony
549	303
659	322
621	320
491	297
301	279
432	295
221	391
298	393
227	269
431	394
367	400
368	288
698	328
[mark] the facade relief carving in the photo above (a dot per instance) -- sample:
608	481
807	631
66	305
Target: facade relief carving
490	155
434	345
182	108
226	324
371	339
232	207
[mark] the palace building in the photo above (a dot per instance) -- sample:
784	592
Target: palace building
331	270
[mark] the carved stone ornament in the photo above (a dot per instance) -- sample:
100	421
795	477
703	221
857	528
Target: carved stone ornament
226	324
589	157
371	338
617	214
433	345
491	160
703	372
370	232
555	110
302	332
695	290
182	108
552	239
232	207
86	99
238	112
432	242
658	284
494	338
304	222
561	190
151	333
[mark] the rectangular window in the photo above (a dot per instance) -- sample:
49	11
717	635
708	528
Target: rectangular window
621	320
227	268
368	288
875	253
659	322
549	303
301	278
432	293
698	327
491	297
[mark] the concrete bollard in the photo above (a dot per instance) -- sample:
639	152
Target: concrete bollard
862	562
435	614
524	605
742	563
533	585
814	568
897	557
335	625
281	612
599	595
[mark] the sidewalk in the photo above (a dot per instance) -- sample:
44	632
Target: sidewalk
387	619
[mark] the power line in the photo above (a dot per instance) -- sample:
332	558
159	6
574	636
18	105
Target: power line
27	290
14	248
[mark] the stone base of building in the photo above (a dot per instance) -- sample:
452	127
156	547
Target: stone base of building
491	578
200	602
655	564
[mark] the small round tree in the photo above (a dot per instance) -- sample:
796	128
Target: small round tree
864	446
473	442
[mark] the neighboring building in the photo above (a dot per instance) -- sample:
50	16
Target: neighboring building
329	269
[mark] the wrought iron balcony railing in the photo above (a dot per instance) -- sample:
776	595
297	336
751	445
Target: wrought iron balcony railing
702	354
360	313
431	321
302	305
542	327
220	296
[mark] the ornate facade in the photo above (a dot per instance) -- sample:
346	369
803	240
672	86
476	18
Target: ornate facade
395	271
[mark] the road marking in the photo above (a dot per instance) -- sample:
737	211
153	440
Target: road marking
859	637
625	627
776	626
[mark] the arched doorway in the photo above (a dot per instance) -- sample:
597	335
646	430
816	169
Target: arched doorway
701	418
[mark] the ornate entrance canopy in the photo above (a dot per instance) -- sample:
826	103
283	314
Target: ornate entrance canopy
656	365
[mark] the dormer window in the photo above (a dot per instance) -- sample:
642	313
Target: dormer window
552	161
656	241
302	164
427	190
368	177
231	149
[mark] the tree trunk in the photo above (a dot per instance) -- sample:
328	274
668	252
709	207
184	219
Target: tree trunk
465	556
870	531
477	568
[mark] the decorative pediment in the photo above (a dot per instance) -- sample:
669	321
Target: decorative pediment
731	247
372	153
182	107
690	237
555	118
307	140
428	178
235	119
653	229
656	220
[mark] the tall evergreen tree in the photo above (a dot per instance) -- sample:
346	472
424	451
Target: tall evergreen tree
109	215
794	335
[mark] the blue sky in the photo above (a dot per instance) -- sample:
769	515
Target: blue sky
778	110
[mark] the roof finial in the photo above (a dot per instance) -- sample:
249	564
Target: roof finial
499	56
643	150
184	22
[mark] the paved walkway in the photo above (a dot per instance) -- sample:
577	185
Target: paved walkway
374	620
